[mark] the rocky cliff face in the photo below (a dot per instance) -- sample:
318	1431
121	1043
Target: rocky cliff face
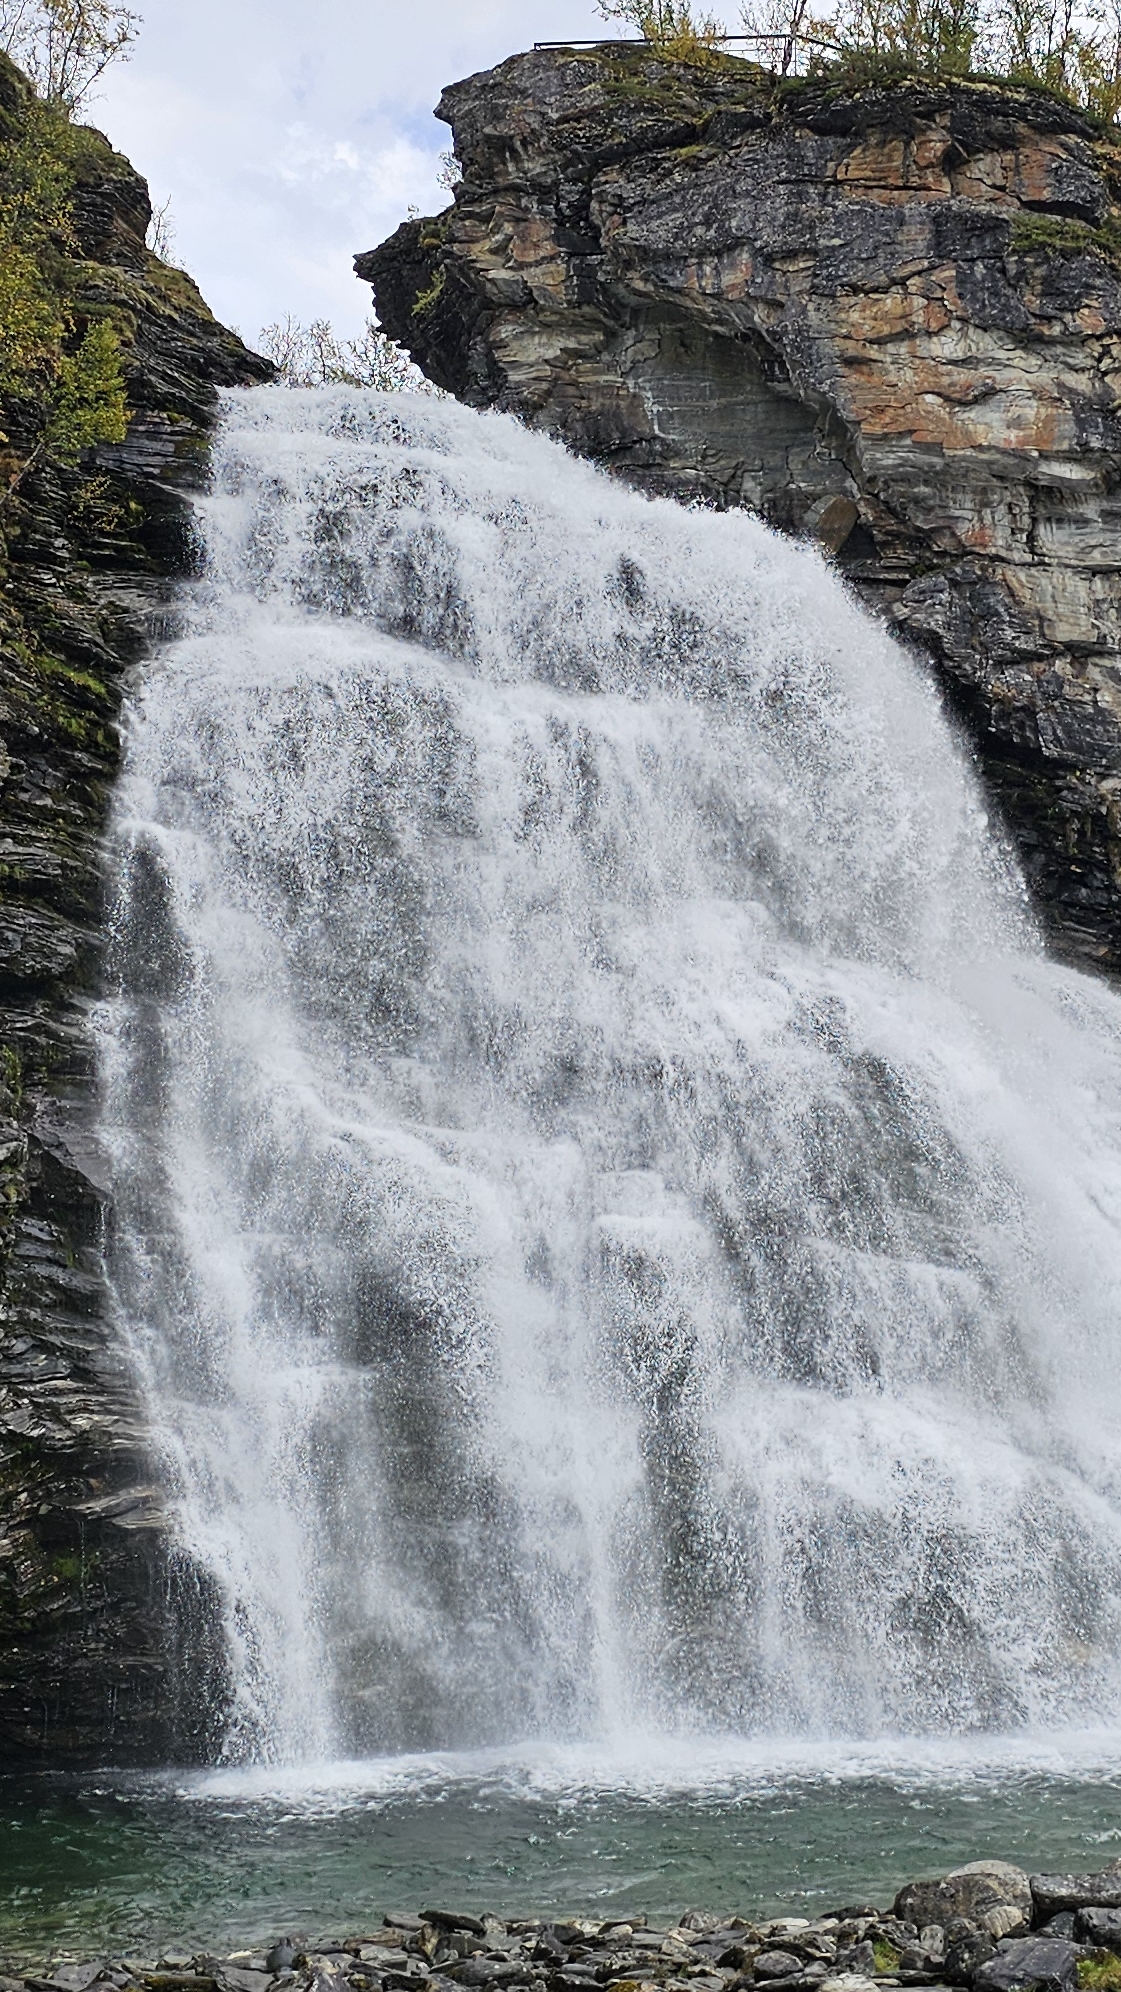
87	1666
890	319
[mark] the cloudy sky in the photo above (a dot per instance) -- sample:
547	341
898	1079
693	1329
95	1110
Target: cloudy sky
288	134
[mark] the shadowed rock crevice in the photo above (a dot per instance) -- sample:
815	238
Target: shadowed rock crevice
889	320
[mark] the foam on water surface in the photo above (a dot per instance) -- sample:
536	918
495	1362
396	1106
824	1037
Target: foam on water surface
619	1221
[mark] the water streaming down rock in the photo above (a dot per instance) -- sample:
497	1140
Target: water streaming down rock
618	1219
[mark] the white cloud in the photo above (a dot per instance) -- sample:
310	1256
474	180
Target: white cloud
288	136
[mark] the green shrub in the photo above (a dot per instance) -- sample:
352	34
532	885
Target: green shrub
63	370
885	1955
87	403
1099	1974
670	27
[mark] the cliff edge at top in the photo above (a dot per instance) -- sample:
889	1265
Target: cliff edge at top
889	318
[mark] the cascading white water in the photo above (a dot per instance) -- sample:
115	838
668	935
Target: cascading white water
620	1223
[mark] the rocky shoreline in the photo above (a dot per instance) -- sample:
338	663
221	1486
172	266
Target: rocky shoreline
988	1926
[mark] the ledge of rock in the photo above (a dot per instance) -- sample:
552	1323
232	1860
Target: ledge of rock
888	319
89	1666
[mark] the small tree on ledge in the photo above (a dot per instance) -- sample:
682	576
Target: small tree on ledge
65	46
670	27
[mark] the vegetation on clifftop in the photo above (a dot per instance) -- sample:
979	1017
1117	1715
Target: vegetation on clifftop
1069	47
65	46
62	384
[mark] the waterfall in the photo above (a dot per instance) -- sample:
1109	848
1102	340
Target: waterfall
618	1221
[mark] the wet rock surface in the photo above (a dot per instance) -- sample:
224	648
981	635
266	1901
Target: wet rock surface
889	321
848	1950
86	1592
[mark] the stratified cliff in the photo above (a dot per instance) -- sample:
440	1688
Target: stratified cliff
87	1661
887	318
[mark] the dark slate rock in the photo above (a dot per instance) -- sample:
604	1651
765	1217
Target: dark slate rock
1098	1926
487	1971
858	1957
236	1978
965	1955
1029	1964
1054	1893
776	1964
87	1670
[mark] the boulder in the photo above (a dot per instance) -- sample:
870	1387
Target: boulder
858	1959
1098	1926
994	1895
1029	1964
965	1954
1054	1893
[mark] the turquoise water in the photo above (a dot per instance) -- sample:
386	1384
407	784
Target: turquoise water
136	1862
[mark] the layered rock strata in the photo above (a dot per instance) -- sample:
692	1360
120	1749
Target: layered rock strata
889	318
989	1927
87	1665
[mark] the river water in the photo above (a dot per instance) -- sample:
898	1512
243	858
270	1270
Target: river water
222	1860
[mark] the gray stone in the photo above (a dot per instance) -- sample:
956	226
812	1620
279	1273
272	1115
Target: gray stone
1054	1893
776	1964
860	1958
992	1894
848	1981
236	1978
1098	1926
1029	1964
965	1954
76	1977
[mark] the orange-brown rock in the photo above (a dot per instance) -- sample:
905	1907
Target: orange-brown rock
890	319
